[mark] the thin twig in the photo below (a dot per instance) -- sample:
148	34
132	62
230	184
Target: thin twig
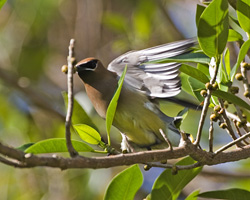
211	136
70	60
238	131
232	143
166	139
9	162
205	107
245	79
239	113
203	117
227	121
177	167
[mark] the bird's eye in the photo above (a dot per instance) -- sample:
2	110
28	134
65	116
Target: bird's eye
87	65
92	64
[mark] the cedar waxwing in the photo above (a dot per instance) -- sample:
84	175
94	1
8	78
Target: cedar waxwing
137	116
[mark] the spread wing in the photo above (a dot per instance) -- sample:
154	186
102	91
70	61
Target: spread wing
155	79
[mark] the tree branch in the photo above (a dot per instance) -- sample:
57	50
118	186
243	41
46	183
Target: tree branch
204	158
71	60
232	143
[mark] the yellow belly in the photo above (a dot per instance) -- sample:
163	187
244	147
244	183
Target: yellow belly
138	122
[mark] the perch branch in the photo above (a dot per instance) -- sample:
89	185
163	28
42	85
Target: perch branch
70	60
232	143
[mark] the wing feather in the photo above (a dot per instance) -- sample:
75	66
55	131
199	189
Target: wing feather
155	79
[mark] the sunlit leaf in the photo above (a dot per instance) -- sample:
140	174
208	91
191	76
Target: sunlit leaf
227	62
243	13
193	195
213	28
125	184
113	104
195	73
57	145
204	68
221	76
196	86
234	36
230	194
185	86
87	133
169	186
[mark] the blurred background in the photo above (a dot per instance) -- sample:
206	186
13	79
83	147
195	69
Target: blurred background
34	39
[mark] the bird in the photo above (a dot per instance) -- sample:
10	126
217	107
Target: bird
138	116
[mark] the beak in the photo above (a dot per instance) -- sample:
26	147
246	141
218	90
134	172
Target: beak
77	68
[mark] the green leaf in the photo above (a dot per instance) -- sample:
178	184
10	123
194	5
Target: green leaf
227	62
195	73
79	115
231	97
125	185
56	145
87	133
113	104
221	77
196	86
243	13
183	114
230	194
190	57
2	2
169	186
243	51
213	28
185	86
234	36
193	195
204	68
25	146
199	11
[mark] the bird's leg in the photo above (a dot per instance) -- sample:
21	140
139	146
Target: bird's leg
125	146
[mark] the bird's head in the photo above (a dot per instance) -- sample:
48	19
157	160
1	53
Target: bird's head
87	64
92	71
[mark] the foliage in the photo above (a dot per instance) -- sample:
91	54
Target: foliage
213	35
169	185
125	184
